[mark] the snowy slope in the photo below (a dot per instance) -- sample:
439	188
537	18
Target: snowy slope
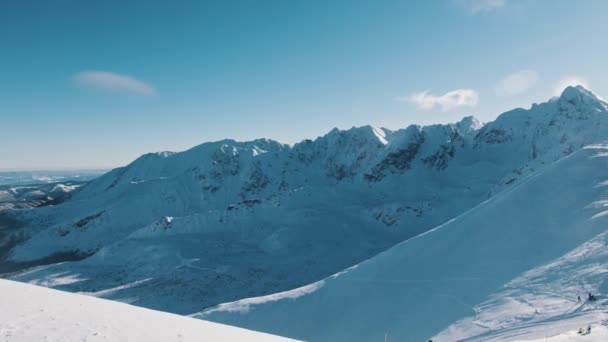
30	313
541	298
228	220
520	258
599	334
562	329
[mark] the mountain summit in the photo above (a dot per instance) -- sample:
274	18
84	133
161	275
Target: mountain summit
578	91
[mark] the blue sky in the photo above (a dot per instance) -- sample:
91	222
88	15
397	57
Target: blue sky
90	84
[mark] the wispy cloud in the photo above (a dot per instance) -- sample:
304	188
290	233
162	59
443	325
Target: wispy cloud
480	6
572	80
450	100
106	80
516	83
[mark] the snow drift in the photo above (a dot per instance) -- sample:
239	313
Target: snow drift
31	313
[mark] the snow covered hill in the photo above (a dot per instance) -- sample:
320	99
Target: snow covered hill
35	195
517	261
30	313
47	176
228	220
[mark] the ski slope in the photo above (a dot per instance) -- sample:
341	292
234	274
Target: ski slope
517	260
598	334
30	313
562	329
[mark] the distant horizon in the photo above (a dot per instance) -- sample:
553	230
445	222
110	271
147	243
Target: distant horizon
76	169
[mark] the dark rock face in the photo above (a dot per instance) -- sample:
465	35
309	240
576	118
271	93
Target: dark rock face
82	224
493	136
439	160
396	161
224	164
257	181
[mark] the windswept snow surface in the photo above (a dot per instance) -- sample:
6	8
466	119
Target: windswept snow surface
30	313
518	259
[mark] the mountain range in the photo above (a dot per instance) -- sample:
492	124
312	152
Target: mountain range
441	222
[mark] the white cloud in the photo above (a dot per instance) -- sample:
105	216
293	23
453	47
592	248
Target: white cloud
447	101
516	83
115	82
571	80
479	6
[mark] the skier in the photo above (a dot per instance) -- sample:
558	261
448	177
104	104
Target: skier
579	299
589	329
591	297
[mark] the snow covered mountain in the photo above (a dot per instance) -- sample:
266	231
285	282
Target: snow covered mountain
228	220
517	260
47	176
31	313
35	195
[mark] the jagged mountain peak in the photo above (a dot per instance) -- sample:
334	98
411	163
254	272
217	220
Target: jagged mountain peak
261	143
365	132
578	90
578	96
573	105
468	124
361	151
